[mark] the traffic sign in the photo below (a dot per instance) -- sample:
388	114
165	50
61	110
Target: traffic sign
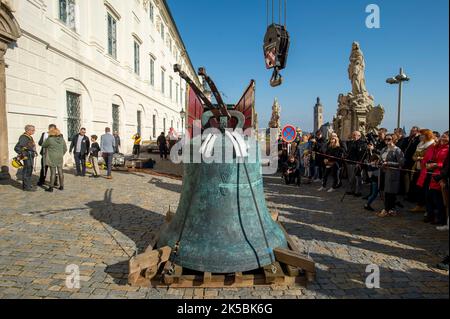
289	134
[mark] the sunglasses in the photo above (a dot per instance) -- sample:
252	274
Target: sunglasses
388	139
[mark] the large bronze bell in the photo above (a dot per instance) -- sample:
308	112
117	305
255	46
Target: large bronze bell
222	222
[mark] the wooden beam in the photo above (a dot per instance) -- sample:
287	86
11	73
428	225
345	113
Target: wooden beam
293	271
207	277
276	277
238	278
147	264
175	277
295	259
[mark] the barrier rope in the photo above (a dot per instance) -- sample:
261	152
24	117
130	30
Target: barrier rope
386	167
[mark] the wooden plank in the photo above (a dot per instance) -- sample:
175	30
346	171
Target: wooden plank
238	278
295	259
292	271
175	277
276	277
207	277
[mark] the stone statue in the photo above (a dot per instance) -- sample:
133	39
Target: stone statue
356	70
356	110
275	120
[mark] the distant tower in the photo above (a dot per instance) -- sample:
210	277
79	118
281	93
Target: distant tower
318	115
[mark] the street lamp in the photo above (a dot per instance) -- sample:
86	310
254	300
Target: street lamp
183	116
399	79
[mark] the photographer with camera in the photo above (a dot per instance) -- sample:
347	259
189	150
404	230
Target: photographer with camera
26	150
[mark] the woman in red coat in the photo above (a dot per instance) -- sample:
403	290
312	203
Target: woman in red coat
433	163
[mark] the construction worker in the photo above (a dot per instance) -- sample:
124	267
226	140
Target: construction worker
137	144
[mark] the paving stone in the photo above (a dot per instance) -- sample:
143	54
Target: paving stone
68	228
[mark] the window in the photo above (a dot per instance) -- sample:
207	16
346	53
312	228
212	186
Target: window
154	126
112	36
170	88
67	13
162	31
163	75
152	12
73	114
152	71
115	118
164	125
171	124
139	122
176	92
136	58
170	44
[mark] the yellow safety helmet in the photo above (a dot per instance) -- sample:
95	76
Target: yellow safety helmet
16	163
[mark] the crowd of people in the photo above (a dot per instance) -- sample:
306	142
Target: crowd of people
85	150
395	166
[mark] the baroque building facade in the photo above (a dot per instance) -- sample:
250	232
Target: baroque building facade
93	64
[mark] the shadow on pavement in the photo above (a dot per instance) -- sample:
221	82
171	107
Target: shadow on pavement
134	222
167	186
337	278
347	223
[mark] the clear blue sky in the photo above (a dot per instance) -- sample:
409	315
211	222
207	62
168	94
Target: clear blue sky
226	37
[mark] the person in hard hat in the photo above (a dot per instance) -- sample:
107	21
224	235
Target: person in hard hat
137	144
26	149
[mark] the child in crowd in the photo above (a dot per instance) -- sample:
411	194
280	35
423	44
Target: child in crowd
93	156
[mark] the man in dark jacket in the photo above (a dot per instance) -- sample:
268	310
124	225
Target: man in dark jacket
409	147
26	150
356	149
380	144
162	143
80	146
118	145
44	167
319	148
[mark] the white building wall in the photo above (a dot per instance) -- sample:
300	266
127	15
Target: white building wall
50	59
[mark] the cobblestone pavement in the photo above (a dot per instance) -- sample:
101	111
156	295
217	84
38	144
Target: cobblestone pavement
98	224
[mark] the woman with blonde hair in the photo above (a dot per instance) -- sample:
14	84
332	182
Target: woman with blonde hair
56	148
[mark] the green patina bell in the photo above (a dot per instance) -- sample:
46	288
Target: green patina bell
222	224
223	219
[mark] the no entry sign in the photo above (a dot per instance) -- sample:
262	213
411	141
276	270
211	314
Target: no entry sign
289	134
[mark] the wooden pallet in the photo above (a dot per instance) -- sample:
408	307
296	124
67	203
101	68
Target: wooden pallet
292	268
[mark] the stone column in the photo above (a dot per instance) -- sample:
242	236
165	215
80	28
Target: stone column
4	158
9	33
